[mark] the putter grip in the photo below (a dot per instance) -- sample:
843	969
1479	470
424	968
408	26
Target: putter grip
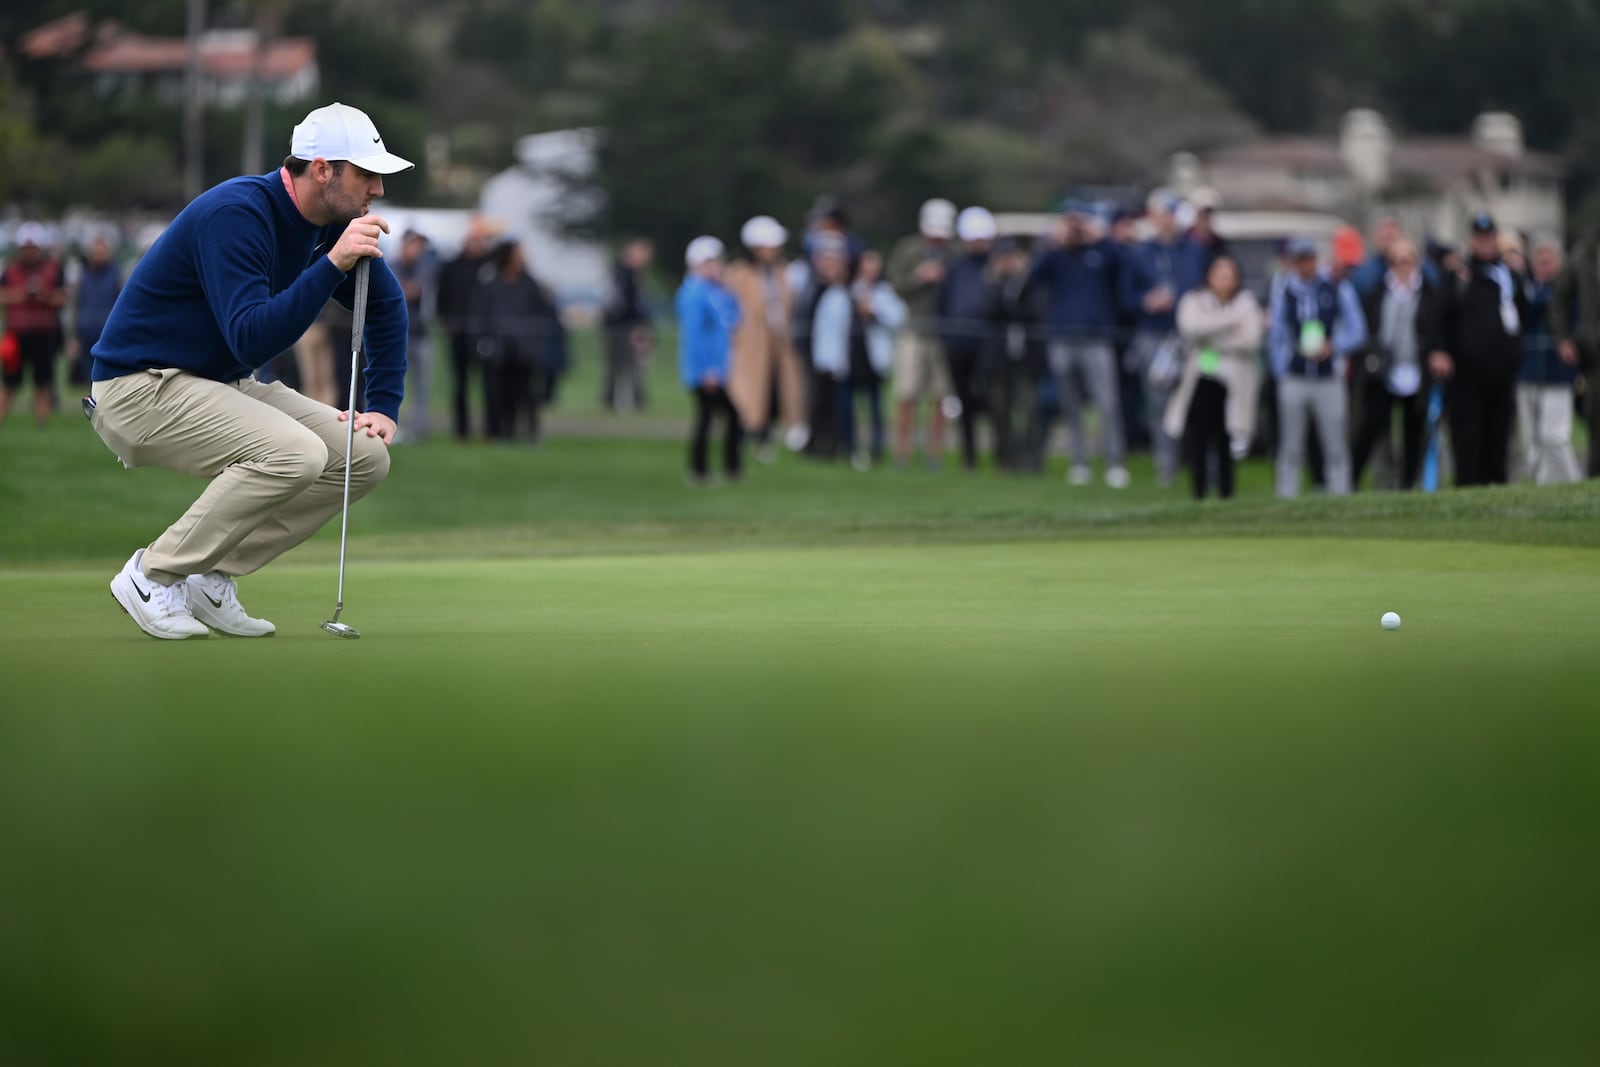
359	312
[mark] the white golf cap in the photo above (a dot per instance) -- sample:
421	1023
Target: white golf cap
33	233
976	224
702	250
938	219
340	131
763	231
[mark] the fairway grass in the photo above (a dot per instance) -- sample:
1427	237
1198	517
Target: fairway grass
1175	801
821	769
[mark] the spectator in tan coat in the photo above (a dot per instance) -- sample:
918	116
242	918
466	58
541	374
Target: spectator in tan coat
767	382
1221	326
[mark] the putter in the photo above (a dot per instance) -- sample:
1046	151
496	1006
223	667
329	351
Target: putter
333	625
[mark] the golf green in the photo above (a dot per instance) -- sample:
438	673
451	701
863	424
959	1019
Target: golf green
1131	801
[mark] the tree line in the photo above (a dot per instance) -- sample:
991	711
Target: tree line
719	109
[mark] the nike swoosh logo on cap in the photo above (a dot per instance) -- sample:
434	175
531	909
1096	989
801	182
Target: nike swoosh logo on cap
377	140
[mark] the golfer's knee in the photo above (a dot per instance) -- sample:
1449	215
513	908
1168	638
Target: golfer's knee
305	461
369	463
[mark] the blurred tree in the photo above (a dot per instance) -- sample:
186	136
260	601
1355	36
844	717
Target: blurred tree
706	129
686	121
879	101
1279	61
129	171
35	169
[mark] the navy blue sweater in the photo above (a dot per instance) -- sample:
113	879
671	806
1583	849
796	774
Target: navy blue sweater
1083	289
1180	266
965	301
237	279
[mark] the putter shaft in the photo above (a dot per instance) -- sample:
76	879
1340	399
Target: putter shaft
359	326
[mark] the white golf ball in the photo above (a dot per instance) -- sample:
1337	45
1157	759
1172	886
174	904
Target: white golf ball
1391	621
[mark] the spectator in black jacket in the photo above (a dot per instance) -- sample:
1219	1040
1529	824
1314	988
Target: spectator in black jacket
1018	363
1393	373
1479	327
628	337
521	345
964	322
459	281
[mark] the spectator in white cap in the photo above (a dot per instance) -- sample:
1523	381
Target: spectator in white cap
32	295
965	307
238	277
916	268
767	381
707	317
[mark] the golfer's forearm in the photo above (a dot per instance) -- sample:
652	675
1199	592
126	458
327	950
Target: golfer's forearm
386	367
259	326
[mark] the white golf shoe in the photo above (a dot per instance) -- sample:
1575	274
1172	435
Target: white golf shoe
214	599
159	610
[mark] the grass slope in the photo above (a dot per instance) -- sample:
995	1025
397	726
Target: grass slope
66	500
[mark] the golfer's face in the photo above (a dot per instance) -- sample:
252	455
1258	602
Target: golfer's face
352	191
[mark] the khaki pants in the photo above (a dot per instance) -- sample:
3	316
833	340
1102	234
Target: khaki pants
275	459
313	358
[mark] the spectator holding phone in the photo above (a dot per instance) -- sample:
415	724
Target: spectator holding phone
32	295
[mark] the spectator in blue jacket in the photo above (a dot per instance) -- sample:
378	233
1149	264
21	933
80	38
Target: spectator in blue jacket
707	315
1081	281
1314	325
97	289
1547	379
1160	272
964	327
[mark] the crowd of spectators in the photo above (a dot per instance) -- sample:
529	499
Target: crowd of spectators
1437	359
1344	364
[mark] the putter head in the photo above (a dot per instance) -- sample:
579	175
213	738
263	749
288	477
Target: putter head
340	629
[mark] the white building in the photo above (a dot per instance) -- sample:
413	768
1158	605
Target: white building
1433	184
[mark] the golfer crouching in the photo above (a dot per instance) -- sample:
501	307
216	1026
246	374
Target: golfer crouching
236	279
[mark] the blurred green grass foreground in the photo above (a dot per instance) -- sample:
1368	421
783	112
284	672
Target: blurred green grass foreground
820	769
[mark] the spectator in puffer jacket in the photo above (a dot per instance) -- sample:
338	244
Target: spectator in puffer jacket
1315	326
